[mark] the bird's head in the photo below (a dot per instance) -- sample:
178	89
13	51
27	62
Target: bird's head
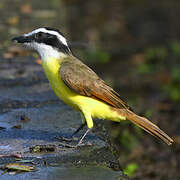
48	42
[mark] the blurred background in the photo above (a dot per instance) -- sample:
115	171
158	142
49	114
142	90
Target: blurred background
134	45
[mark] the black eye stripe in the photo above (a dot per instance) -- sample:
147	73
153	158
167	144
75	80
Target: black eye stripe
40	35
52	40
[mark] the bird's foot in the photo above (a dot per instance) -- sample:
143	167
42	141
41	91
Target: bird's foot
72	142
72	138
67	139
67	145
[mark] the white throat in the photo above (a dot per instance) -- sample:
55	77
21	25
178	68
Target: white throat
46	52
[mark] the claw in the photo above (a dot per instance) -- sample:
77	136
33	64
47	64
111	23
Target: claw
74	146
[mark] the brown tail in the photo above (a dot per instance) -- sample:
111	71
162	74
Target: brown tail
147	126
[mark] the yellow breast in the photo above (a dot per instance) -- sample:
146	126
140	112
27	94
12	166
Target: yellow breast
52	71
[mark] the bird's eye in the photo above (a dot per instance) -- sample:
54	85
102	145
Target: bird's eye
40	35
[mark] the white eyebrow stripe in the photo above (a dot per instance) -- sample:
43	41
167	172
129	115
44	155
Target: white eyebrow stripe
60	37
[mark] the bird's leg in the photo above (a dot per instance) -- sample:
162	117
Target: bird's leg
84	135
78	129
72	138
86	119
79	142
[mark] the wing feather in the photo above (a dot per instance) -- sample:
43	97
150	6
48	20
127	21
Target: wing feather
82	80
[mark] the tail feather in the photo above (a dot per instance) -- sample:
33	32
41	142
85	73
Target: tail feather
147	126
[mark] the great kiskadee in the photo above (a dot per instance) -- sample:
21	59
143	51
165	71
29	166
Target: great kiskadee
79	86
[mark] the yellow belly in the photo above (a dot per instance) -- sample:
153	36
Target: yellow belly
95	107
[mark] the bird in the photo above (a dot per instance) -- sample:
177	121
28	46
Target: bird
79	86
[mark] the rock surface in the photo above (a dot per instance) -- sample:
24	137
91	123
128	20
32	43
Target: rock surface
31	115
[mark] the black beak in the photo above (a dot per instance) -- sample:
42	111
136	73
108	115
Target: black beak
22	39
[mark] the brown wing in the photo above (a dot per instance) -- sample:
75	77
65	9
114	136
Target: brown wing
81	79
